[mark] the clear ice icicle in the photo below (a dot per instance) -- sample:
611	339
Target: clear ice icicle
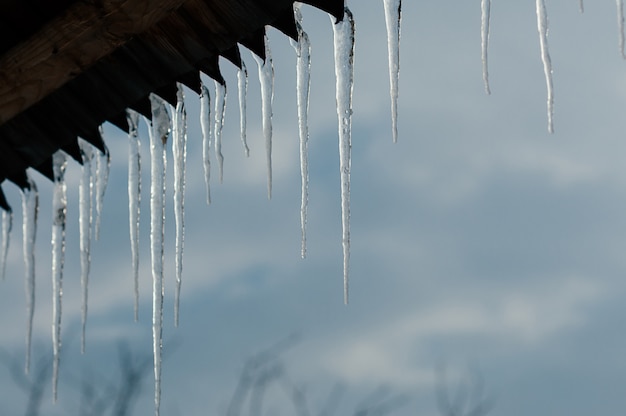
303	87
179	150
158	137
542	27
485	9
30	209
205	127
134	198
620	25
266	78
103	166
393	16
220	107
581	6
344	73
85	192
7	226
59	215
242	83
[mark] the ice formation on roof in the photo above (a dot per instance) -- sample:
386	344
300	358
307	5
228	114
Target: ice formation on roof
85	195
344	74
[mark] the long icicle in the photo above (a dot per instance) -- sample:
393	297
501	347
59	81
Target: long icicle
344	72
242	83
542	27
158	137
179	150
59	215
485	8
205	126
393	16
303	87
134	198
30	210
103	166
220	109
85	192
266	78
7	226
620	25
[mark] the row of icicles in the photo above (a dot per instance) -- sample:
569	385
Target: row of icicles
542	27
166	120
94	179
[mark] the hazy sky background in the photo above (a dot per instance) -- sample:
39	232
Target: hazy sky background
479	240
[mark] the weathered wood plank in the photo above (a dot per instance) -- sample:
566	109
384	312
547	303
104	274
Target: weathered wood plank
69	44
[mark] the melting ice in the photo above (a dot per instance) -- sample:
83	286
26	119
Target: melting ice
85	193
542	27
205	127
134	198
59	214
30	209
220	109
179	151
242	84
485	8
344	73
303	87
266	78
7	226
393	14
158	137
103	166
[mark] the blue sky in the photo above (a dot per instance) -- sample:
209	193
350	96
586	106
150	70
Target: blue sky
479	240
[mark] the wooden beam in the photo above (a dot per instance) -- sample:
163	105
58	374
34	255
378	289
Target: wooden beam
88	31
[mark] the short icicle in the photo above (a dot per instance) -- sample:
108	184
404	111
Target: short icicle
242	83
620	26
344	72
103	166
393	17
179	150
266	78
59	215
220	109
158	137
7	226
303	87
85	196
542	27
134	198
205	127
581	6
485	8
30	210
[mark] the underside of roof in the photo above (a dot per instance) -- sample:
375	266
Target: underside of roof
67	66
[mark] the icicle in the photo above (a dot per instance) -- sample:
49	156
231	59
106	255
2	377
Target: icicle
344	72
393	14
242	83
59	214
220	107
581	6
179	150
542	26
103	165
85	193
30	209
620	24
134	197
205	125
7	226
485	8
303	87
266	78
158	137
